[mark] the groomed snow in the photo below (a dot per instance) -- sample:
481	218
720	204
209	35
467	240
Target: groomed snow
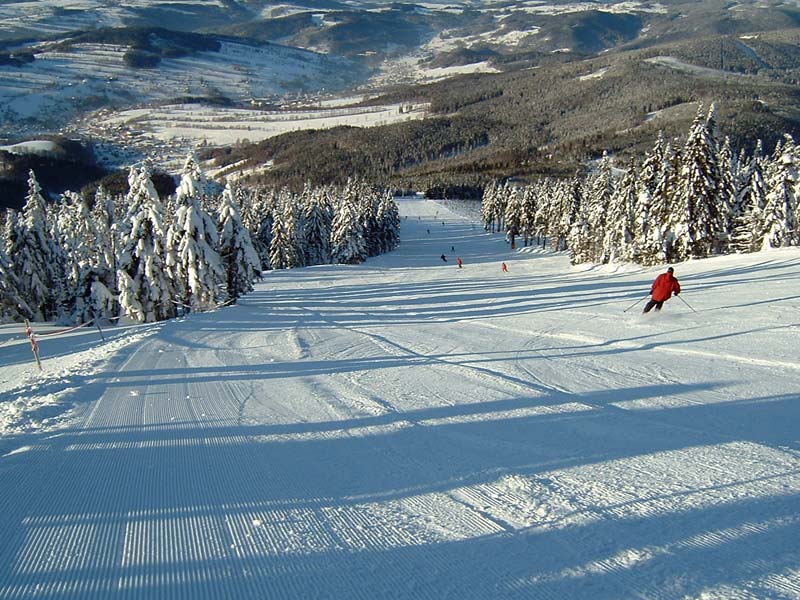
408	429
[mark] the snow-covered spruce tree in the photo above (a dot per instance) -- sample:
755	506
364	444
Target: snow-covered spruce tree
672	221
601	188
488	205
191	255
36	257
699	224
258	219
199	264
562	212
105	289
240	261
618	242
367	207
543	218
493	206
173	211
388	223
195	183
145	289
748	224
13	307
282	248
317	217
501	201
105	223
580	240
347	233
653	202
512	218
728	177
11	230
295	227
780	225
65	215
78	236
527	222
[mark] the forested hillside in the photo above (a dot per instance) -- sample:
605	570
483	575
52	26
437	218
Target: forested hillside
552	119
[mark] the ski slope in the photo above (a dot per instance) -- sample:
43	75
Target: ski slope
408	429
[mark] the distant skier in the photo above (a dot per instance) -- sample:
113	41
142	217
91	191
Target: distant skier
458	260
662	289
444	258
452	248
504	268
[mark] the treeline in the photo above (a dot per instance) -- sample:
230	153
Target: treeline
681	201
151	258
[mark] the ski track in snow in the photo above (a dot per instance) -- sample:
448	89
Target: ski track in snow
407	429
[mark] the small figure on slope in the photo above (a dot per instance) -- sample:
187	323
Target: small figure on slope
504	268
662	289
444	258
458	260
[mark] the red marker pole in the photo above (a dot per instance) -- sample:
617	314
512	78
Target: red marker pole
34	343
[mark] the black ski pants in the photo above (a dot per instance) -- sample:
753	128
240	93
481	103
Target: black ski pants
651	304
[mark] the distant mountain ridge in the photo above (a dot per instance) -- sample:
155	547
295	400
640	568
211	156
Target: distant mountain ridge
570	77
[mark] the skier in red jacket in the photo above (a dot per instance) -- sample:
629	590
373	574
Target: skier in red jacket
662	289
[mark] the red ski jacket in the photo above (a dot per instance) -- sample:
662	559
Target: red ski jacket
663	287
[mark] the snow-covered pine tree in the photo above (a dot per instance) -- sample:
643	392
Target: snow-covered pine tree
282	249
728	176
780	226
239	258
699	230
194	184
488	205
601	188
145	289
105	222
317	218
618	242
347	233
748	224
78	237
502	197
258	218
667	191
562	213
580	238
367	207
543	218
199	263
36	258
13	307
651	212
11	230
527	222
513	215
294	223
388	223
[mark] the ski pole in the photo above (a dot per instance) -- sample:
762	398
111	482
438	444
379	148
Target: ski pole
634	304
686	303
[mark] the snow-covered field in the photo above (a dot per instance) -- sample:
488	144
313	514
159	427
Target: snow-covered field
225	126
408	429
60	86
